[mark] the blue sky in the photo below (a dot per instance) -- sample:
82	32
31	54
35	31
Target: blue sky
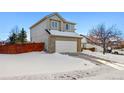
85	20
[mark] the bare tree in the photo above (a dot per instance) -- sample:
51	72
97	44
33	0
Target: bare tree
104	35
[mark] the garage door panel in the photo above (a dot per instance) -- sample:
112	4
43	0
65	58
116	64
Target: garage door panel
66	46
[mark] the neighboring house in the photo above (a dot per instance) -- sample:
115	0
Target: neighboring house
122	44
117	45
86	43
113	42
94	40
57	33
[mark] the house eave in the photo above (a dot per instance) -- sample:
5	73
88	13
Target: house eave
65	36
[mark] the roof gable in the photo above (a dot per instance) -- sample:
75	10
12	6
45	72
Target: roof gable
56	15
59	16
50	16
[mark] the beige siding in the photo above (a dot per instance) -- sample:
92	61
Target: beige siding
38	33
55	18
62	24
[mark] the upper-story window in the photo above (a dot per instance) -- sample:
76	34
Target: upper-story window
69	27
55	24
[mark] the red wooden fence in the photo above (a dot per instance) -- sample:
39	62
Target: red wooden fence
21	48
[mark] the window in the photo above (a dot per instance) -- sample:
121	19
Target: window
72	27
54	24
68	26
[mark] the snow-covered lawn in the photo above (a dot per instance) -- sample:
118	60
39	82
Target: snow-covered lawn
107	56
40	63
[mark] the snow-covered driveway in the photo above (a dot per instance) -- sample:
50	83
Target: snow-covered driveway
39	63
107	56
115	61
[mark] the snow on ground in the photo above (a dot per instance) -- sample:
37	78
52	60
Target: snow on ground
108	56
110	75
40	63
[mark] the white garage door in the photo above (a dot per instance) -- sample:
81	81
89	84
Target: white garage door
66	46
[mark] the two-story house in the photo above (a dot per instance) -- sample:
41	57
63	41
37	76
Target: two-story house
57	33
